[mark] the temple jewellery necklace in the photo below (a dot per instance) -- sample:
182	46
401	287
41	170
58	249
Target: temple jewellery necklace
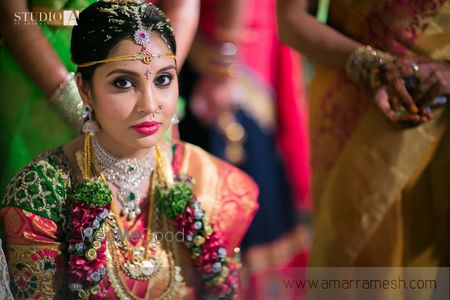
126	175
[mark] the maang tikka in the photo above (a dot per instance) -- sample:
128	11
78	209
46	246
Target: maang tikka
141	37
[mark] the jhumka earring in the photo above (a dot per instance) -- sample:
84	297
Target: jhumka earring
90	125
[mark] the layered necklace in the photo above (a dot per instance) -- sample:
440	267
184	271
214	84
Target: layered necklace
126	175
140	266
93	258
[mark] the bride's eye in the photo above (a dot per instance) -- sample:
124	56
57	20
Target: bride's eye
123	83
163	80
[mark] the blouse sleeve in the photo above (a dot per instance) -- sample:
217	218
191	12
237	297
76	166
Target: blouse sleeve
32	215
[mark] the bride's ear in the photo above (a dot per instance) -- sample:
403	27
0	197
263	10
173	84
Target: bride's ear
84	88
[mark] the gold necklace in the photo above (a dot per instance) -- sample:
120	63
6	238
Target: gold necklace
138	266
175	277
113	263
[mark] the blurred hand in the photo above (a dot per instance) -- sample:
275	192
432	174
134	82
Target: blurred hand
433	80
392	75
213	96
391	108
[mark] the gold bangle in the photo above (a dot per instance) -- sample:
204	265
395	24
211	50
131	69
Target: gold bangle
363	65
66	99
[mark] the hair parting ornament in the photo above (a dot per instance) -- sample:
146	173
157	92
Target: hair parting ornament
141	37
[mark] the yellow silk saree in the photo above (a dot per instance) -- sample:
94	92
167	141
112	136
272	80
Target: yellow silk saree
381	195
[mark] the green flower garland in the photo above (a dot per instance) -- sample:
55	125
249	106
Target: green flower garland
172	200
95	193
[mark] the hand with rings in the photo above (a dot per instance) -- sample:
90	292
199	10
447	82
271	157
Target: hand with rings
407	88
434	81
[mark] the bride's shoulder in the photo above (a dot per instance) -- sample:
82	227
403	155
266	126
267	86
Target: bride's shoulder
227	194
40	186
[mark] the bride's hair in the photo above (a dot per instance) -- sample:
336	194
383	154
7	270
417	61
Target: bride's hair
103	24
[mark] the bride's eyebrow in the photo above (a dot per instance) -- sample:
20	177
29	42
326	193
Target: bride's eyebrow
123	71
167	68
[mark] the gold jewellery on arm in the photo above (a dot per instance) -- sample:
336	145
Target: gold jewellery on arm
364	63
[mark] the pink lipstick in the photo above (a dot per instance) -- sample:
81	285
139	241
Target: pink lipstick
147	128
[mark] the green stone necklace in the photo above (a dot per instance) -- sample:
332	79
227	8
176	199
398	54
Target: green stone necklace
126	175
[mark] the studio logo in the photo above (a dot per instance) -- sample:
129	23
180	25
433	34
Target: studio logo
50	17
70	17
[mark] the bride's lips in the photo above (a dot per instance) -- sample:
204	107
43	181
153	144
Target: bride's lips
147	128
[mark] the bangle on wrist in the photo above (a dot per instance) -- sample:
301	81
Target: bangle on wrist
213	58
364	63
222	64
67	101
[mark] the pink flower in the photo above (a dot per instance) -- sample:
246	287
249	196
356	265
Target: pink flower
80	269
209	251
185	221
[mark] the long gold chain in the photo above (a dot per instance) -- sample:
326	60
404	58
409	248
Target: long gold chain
175	279
122	245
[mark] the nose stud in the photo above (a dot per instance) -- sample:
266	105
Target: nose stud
158	111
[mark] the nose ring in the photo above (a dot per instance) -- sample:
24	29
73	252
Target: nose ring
158	111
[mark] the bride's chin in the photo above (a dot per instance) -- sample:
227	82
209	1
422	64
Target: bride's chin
147	143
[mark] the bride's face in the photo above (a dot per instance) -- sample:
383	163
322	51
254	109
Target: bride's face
134	102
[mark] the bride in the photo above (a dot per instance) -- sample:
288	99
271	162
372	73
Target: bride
119	213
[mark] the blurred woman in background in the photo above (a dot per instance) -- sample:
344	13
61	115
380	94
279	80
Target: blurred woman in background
379	129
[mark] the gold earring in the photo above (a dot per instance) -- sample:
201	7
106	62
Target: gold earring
89	125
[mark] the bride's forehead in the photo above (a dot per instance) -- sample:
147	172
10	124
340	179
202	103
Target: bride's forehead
128	46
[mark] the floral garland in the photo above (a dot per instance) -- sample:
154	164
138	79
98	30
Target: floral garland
89	208
219	273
